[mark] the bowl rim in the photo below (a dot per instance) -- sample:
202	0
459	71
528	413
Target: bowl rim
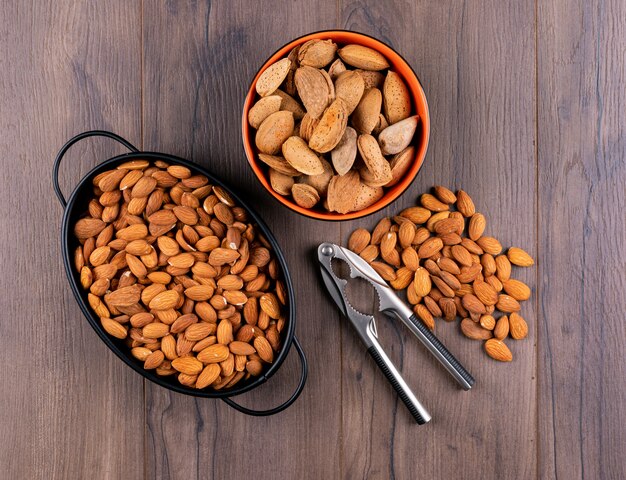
81	295
328	216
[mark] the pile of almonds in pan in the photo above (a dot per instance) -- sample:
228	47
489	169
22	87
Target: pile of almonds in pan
449	268
174	268
334	125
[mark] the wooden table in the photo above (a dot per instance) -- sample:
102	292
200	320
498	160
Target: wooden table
527	103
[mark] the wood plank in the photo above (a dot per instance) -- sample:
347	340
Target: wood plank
581	333
194	88
70	408
476	63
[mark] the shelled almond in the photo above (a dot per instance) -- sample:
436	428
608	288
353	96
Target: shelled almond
448	268
175	269
334	125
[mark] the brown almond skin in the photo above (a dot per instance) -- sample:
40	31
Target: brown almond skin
497	350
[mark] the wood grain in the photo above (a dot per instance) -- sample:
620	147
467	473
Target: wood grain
486	147
69	407
581	332
193	108
526	102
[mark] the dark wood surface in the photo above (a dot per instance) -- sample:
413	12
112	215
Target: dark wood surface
527	107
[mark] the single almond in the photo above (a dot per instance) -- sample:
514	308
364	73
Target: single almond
498	350
330	128
301	157
517	326
165	300
264	349
272	77
214	353
273	132
398	136
464	204
373	158
241	348
343	191
474	331
350	87
519	257
396	98
344	153
263	109
313	89
187	365
366	115
363	57
507	304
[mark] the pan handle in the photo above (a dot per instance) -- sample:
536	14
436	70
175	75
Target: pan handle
72	141
294	396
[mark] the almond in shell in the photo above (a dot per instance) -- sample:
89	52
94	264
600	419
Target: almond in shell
263	109
350	87
363	57
317	53
319	182
290	104
279	164
307	126
301	157
398	136
367	196
336	68
396	98
343	191
305	195
366	115
373	158
330	128
272	77
273	132
344	154
313	90
280	182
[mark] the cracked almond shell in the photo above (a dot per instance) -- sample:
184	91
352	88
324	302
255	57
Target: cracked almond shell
317	53
336	68
272	77
330	128
273	132
301	157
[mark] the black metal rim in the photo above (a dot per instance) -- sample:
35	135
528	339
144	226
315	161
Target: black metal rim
81	295
410	68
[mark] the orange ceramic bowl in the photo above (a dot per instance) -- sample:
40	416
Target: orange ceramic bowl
420	106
